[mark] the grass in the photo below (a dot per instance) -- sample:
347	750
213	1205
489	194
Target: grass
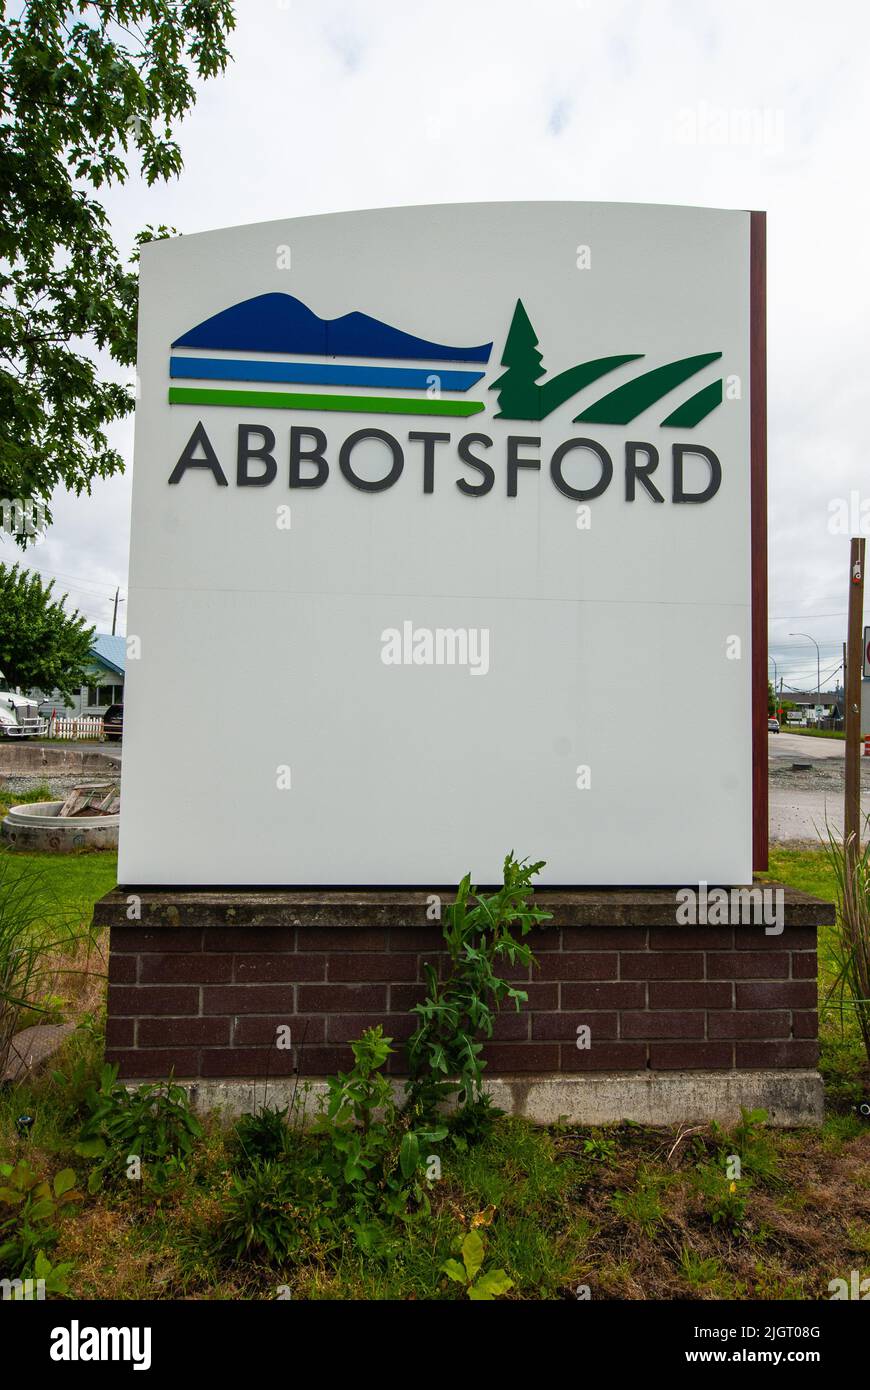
843	1062
53	962
653	1221
65	883
813	733
9	798
627	1212
41	793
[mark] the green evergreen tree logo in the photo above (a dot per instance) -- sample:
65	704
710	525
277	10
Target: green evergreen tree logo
518	396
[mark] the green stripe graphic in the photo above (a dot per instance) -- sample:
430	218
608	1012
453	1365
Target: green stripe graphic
622	406
697	407
293	400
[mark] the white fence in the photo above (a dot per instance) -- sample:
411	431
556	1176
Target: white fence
90	726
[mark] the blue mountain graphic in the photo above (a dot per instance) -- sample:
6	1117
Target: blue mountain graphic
281	323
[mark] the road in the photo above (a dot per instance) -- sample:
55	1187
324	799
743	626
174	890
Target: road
109	750
805	804
804	748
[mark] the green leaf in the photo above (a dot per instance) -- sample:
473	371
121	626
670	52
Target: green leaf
64	1181
91	1148
57	1279
472	1253
490	1285
454	1270
40	1211
409	1155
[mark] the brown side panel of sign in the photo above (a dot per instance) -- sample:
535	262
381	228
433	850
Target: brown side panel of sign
758	469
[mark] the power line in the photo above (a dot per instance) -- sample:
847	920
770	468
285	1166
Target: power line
828	675
85	600
91	583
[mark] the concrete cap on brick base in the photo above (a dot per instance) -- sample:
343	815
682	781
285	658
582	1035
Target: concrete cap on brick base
791	1098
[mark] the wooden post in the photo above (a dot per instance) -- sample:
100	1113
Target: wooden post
758	486
854	669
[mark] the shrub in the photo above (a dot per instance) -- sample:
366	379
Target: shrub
473	1123
444	1051
29	1207
372	1155
152	1123
481	1285
259	1216
263	1135
357	1173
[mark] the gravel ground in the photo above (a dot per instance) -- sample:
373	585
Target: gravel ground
59	784
802	803
828	777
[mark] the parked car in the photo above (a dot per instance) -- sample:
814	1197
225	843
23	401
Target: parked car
773	726
113	723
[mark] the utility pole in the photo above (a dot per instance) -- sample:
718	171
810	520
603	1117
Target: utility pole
854	668
775	683
115	612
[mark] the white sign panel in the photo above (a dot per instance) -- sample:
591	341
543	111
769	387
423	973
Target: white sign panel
441	549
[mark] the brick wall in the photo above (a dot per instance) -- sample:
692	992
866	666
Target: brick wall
189	992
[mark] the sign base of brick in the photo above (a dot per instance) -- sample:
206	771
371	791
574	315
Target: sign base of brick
270	984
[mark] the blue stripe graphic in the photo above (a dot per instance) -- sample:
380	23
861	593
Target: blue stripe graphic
320	374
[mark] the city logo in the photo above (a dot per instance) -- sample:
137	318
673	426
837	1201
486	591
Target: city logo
261	341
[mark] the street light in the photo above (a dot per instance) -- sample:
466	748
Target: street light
818	657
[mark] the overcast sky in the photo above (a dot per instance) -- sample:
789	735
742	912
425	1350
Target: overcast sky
331	106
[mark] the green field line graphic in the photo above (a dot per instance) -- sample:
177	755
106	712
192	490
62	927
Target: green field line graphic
696	408
294	400
621	406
